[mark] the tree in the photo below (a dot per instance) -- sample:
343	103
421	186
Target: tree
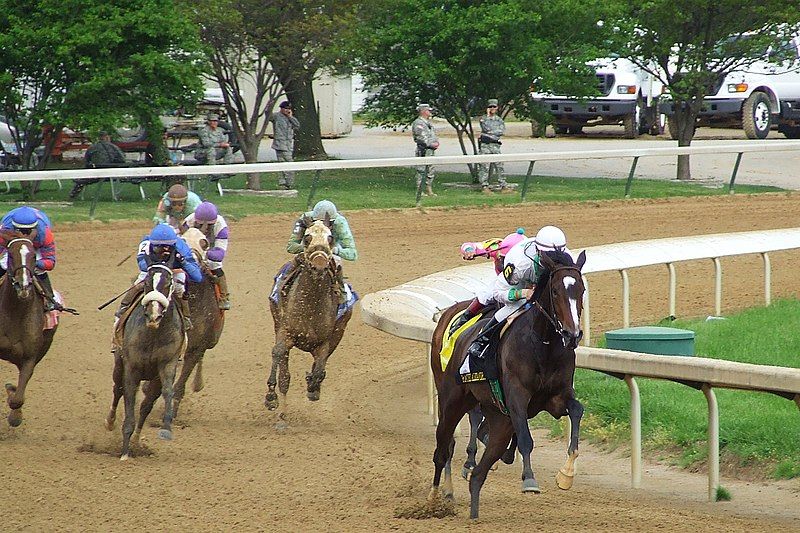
691	46
91	64
455	55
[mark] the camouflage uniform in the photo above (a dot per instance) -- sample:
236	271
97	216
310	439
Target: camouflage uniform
425	137
101	154
209	149
492	128
284	128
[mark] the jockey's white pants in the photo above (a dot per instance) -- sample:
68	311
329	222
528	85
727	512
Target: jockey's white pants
500	293
213	265
485	295
178	278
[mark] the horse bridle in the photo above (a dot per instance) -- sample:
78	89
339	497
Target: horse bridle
550	316
155	294
13	271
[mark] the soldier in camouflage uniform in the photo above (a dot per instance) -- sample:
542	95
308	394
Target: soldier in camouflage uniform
213	143
492	128
101	154
284	126
427	142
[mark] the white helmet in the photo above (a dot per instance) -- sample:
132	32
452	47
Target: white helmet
324	207
550	238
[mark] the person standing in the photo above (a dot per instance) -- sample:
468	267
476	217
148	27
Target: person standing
492	128
213	143
427	142
284	126
101	154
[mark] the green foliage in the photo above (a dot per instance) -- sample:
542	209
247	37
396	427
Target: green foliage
455	55
755	429
723	494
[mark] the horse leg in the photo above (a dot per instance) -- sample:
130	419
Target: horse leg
475	418
518	411
508	457
317	375
197	383
279	351
451	411
16	395
167	376
117	390
566	475
500	431
283	387
151	390
131	387
190	361
447	486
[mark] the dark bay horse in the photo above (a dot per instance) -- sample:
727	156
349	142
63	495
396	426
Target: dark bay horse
536	358
154	340
207	319
305	315
23	339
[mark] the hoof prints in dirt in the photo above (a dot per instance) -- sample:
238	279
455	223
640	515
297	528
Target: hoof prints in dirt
114	448
438	508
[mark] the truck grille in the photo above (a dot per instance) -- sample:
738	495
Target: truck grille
605	82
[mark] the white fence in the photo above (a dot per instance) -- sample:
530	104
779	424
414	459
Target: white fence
412	309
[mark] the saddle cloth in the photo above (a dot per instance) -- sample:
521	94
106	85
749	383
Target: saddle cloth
279	289
449	341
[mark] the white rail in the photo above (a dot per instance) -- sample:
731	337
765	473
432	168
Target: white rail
411	311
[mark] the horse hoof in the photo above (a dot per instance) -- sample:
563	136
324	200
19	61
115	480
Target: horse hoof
530	485
466	473
109	424
564	481
124	457
15	418
164	434
10	389
271	401
313	396
197	387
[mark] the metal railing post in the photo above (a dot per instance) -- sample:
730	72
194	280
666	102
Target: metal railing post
636	432
735	170
630	177
626	299
713	442
767	279
717	287
525	183
673	284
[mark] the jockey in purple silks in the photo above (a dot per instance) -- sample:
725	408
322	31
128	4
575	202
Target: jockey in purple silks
496	250
207	219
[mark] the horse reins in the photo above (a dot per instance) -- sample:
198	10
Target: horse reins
556	323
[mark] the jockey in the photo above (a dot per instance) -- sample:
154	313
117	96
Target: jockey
344	246
163	246
175	205
33	224
207	219
495	249
513	288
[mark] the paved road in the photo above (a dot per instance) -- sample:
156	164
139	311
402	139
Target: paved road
781	169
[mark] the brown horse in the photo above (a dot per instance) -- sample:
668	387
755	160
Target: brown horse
305	315
23	339
154	339
208	320
536	358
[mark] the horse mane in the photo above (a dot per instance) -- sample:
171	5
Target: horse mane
560	258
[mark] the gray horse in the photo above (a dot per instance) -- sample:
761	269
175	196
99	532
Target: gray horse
207	318
23	339
154	340
305	316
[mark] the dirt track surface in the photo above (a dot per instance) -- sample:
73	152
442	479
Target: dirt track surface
347	462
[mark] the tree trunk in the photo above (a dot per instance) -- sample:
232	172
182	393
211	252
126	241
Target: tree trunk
249	143
685	118
308	142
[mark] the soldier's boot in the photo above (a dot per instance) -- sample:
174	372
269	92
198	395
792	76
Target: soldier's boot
47	288
183	302
429	191
224	302
486	190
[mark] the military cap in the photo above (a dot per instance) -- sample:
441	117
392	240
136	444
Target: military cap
211	117
420	107
491	102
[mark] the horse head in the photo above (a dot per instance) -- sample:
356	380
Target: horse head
564	290
318	243
158	286
21	265
197	242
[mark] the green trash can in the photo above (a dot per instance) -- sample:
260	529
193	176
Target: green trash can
652	339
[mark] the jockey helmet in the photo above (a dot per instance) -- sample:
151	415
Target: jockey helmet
206	212
550	238
322	208
177	192
512	239
163	234
24	217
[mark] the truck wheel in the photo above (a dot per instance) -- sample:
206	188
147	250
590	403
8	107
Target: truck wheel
756	116
575	130
560	129
632	123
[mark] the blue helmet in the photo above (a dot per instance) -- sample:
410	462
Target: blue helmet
163	234
24	217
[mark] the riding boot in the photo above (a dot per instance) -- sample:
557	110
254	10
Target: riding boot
47	288
224	302
475	307
484	343
184	308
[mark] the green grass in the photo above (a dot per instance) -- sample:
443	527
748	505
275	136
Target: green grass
758	431
357	189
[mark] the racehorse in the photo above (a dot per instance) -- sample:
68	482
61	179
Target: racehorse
305	315
207	319
23	339
536	359
154	339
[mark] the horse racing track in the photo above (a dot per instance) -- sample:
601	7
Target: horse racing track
349	461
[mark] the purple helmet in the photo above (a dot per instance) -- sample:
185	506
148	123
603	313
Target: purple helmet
206	212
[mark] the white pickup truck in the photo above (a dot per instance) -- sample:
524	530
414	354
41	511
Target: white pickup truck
628	96
762	97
